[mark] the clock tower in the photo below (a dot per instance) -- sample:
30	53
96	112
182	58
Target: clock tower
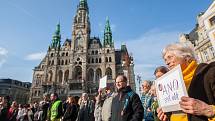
81	28
79	44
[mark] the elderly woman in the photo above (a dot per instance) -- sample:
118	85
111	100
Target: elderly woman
86	109
199	81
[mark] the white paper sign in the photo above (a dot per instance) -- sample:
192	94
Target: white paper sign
170	88
103	82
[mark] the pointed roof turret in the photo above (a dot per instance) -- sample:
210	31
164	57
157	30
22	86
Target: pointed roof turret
123	48
57	31
108	34
107	26
56	37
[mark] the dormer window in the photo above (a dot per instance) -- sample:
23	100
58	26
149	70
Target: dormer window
212	20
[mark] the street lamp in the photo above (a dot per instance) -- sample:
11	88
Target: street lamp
139	81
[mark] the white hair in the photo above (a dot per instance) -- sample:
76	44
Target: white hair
84	94
181	50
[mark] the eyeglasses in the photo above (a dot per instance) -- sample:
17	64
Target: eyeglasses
120	82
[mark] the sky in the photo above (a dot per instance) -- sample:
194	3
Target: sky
145	26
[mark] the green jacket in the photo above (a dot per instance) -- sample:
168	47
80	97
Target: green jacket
55	111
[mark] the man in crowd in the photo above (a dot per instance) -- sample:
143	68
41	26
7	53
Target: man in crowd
126	105
56	109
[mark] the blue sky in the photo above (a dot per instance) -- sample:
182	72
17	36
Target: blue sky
146	26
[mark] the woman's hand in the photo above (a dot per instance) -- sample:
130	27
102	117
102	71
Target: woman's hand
195	106
161	115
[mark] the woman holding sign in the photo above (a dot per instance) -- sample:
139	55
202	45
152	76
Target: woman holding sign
200	83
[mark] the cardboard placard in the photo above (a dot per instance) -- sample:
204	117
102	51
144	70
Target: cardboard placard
170	88
103	82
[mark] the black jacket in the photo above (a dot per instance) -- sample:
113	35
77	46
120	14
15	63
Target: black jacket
202	87
132	111
45	107
70	113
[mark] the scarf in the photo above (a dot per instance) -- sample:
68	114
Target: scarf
188	73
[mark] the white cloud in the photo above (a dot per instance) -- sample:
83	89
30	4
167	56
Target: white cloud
2	61
36	56
147	48
3	55
3	51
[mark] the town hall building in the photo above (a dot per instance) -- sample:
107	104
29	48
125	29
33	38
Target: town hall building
76	65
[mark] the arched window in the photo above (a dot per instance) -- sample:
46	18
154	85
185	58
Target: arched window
110	60
63	54
50	74
108	51
58	62
52	62
62	62
92	60
96	52
97	60
60	76
92	52
66	76
90	75
100	60
38	93
52	54
66	62
78	73
35	93
98	74
109	73
106	59
67	54
38	80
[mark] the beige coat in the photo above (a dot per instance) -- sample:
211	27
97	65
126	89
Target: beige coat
106	108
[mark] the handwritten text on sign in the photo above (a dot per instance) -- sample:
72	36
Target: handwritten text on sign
169	91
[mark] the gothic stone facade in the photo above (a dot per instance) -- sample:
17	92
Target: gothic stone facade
77	65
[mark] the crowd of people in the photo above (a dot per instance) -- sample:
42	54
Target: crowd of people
121	103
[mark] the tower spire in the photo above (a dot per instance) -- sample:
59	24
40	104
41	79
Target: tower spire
56	37
108	34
